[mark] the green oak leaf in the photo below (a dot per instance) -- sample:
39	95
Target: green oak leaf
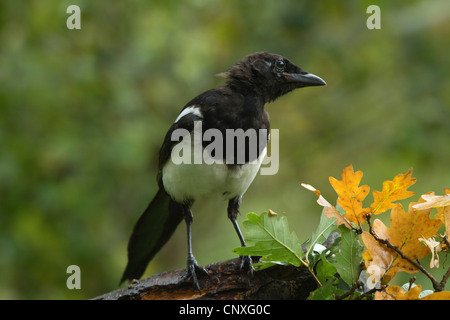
269	237
349	257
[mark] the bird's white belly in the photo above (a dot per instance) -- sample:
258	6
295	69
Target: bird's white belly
189	181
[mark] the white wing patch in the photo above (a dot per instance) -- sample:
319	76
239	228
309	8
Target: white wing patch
195	110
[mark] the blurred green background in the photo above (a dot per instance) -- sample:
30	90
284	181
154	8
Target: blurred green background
83	114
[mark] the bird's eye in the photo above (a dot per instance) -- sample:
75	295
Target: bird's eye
280	65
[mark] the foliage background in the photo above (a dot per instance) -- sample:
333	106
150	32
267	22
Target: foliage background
83	113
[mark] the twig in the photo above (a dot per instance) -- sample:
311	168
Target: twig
355	285
371	291
445	278
436	285
411	282
446	241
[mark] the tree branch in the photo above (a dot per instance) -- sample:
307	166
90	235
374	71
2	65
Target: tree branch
225	281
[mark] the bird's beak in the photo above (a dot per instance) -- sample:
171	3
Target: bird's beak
305	79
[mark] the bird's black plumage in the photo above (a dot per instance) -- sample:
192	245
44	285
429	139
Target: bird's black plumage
239	105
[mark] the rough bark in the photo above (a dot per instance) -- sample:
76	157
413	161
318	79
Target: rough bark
225	281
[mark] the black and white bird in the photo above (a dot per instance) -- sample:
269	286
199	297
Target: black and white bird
254	81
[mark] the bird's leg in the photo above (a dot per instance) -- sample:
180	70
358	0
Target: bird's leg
233	210
192	265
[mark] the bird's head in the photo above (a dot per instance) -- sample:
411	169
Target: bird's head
269	75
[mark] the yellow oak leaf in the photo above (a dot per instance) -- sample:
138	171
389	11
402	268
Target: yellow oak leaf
392	191
433	201
397	293
442	203
382	295
444	216
404	232
441	295
378	259
407	228
351	195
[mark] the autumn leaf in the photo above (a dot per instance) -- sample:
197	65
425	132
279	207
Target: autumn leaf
407	228
442	203
444	216
397	293
351	195
405	231
441	295
321	200
392	191
433	201
379	259
329	211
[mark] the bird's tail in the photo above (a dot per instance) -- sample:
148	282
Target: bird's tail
153	229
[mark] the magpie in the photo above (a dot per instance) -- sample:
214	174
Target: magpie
257	79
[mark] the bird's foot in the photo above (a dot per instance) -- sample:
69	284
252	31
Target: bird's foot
191	269
246	263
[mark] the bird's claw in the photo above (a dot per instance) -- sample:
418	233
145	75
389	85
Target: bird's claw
190	273
246	264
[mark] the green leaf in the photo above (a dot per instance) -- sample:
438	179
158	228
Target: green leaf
326	225
349	257
325	271
326	292
270	238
